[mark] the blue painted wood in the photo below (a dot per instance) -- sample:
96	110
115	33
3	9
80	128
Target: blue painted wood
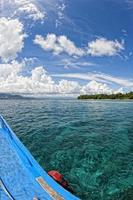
19	170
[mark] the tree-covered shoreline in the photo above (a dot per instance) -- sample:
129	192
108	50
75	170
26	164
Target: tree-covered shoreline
107	96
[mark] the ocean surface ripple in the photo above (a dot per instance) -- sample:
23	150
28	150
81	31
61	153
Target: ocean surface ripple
90	142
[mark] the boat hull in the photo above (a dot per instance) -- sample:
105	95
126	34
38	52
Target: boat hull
22	178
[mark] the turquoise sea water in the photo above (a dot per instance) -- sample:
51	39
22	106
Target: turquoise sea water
90	142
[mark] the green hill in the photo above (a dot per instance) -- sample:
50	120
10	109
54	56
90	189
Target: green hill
107	96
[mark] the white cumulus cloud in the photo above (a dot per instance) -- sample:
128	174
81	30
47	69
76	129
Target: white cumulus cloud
94	87
104	47
13	80
11	38
68	87
30	8
27	9
61	44
9	70
39	81
58	44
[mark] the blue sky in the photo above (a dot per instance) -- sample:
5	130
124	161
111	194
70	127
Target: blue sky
66	47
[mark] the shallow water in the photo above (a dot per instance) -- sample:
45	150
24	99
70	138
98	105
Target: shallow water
90	142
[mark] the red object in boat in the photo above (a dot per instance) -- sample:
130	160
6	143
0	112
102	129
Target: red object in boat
58	178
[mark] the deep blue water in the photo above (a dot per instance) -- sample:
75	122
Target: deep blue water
90	142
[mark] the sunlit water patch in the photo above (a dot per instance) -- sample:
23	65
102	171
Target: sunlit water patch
90	142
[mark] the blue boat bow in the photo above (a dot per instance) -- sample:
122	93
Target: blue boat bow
21	177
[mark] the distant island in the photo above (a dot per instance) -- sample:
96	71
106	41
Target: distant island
12	96
108	96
